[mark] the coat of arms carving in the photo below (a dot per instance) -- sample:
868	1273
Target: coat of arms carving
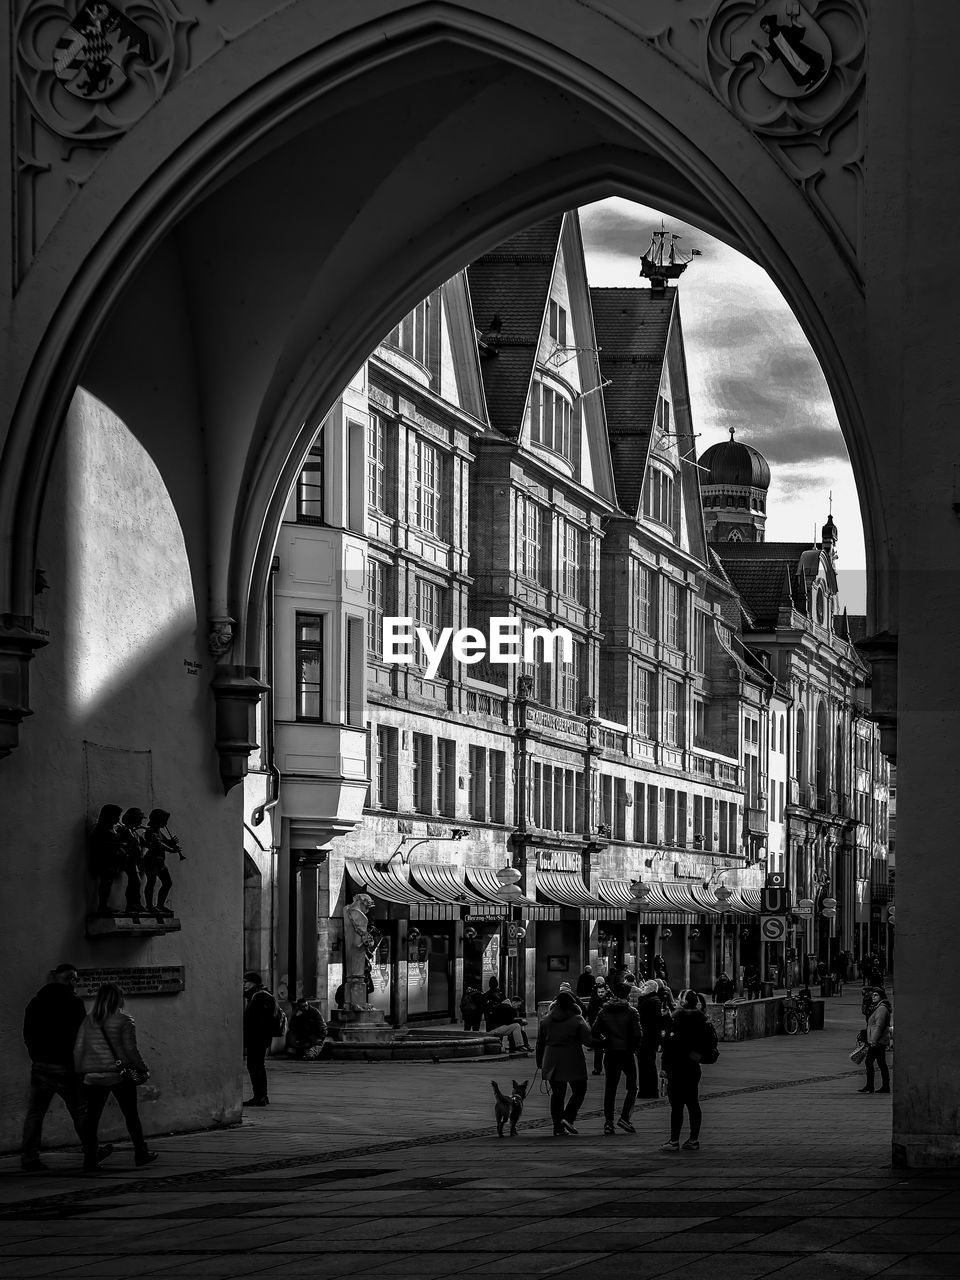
90	57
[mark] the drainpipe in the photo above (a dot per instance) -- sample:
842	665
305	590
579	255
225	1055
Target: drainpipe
269	735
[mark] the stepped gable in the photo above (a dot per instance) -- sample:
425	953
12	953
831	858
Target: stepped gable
632	326
509	288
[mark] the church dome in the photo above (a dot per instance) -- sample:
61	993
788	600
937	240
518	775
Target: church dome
733	463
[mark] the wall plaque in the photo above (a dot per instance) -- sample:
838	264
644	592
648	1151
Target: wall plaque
138	980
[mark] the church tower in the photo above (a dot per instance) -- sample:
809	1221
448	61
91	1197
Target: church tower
734	484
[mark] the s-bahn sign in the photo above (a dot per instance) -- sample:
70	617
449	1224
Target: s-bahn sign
773	928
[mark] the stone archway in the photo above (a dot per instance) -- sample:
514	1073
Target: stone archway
356	159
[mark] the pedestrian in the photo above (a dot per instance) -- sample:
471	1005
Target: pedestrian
566	987
50	1025
618	1029
563	1035
602	992
877	1010
504	1021
492	997
690	1041
106	1043
723	989
586	983
650	1011
660	968
260	1023
471	1008
307	1036
751	982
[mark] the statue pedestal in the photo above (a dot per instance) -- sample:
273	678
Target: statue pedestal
352	1026
130	926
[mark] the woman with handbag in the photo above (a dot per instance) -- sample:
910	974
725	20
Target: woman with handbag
106	1057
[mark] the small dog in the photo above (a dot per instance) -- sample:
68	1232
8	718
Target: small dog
509	1106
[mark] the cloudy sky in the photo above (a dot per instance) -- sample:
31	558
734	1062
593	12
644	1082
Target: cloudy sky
750	367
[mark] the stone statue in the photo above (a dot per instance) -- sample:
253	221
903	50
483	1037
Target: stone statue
157	843
106	856
130	838
359	945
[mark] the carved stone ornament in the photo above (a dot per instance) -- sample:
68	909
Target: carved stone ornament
90	71
793	72
220	636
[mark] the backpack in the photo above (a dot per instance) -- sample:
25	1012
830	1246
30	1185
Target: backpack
710	1051
278	1026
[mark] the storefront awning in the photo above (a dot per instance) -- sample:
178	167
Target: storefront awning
655	908
444	883
616	892
566	888
744	900
484	881
390	885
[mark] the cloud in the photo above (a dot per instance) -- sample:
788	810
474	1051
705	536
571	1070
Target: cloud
750	367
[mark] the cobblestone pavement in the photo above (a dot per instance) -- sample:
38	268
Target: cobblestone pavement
394	1169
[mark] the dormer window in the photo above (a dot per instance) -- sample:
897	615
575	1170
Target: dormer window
658	495
557	323
412	334
550	419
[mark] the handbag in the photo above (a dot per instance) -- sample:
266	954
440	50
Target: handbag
136	1075
859	1053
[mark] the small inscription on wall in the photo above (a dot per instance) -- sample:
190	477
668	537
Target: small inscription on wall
142	980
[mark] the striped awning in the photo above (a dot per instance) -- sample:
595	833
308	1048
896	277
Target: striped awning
617	893
746	901
484	881
705	900
390	885
445	884
566	888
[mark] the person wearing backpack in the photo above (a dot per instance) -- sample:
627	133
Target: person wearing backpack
690	1041
263	1019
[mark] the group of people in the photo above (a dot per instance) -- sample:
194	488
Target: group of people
626	1023
499	1013
82	1058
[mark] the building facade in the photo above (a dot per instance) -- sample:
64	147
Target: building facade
520	447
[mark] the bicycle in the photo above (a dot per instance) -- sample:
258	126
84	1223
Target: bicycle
796	1014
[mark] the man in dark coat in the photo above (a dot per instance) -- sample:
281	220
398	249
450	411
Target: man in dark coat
650	1011
259	1028
50	1025
586	983
618	1028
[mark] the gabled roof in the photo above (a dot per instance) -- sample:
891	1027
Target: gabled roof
632	327
509	288
764	585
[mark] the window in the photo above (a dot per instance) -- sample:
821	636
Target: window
529	539
426	486
376	472
385	780
619	809
670	816
682	818
639	813
658	495
708	822
569	536
781	801
643	710
645	619
310	485
558	323
553	797
355	672
478	784
428	614
671	712
733	835
699	834
699	720
782	722
447	777
570	680
663	414
422	773
723	829
700	640
606	801
773	801
653	815
497	794
309	666
376	572
412	334
550	419
672	615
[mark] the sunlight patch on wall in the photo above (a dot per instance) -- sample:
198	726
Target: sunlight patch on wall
128	573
